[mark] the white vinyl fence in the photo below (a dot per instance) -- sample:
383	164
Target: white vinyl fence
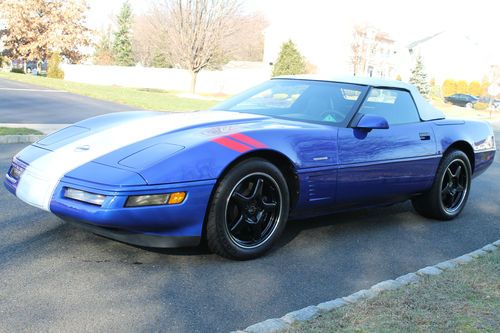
227	81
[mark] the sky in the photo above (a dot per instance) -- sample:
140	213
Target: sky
405	21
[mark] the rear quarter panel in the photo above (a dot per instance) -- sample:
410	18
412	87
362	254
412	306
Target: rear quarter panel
475	133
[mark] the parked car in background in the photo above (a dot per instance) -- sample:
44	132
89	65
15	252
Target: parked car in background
463	100
32	65
487	100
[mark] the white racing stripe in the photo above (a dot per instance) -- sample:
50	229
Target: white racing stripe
42	176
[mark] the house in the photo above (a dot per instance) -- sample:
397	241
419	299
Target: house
451	55
377	53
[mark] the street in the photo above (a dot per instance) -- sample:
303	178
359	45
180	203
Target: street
24	103
59	278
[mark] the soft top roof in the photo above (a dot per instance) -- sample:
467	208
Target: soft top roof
426	110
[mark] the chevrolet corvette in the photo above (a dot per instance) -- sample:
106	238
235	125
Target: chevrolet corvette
232	176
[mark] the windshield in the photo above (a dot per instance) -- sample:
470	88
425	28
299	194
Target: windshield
316	101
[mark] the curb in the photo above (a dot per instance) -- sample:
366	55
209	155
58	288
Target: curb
313	311
4	139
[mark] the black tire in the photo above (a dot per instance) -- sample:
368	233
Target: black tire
241	223
450	190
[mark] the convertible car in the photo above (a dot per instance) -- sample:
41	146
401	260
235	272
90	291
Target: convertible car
292	147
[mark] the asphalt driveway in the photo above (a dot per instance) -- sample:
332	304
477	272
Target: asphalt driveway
23	103
55	277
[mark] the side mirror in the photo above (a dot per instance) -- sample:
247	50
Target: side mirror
369	122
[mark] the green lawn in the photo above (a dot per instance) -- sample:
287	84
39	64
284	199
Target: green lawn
148	99
464	300
18	131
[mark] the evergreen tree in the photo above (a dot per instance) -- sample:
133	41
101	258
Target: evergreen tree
419	77
290	61
122	46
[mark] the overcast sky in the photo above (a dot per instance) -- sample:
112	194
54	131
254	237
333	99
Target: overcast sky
406	21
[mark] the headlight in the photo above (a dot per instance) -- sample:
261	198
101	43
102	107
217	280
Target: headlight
155	199
15	172
91	198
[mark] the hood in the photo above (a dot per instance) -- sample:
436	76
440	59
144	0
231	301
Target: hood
116	130
86	141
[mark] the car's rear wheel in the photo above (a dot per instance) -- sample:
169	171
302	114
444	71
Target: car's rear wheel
249	210
450	190
468	105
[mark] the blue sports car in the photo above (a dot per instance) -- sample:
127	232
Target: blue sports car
292	147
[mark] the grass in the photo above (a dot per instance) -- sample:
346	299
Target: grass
463	300
18	131
148	99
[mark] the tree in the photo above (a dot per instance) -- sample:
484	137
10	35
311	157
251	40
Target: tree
149	45
290	61
122	46
485	84
34	29
474	88
247	41
53	70
462	87
449	87
104	54
399	78
418	77
195	30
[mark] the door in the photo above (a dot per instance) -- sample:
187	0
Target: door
386	165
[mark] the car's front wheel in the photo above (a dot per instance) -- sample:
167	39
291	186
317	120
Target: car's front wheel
249	210
468	105
450	189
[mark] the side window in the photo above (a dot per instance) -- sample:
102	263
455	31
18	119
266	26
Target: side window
396	106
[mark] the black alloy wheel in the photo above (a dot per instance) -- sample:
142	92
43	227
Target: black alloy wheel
454	186
450	190
253	209
248	211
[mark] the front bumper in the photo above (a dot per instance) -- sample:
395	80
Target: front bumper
175	225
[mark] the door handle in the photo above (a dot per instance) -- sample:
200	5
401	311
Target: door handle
425	136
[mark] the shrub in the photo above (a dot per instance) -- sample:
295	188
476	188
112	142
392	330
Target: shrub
484	86
290	61
53	70
475	88
480	106
449	87
462	87
17	70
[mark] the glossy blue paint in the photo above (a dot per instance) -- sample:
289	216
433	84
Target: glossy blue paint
168	220
369	121
337	168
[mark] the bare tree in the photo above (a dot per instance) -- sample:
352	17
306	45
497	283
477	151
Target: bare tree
196	29
103	54
247	41
148	42
363	45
